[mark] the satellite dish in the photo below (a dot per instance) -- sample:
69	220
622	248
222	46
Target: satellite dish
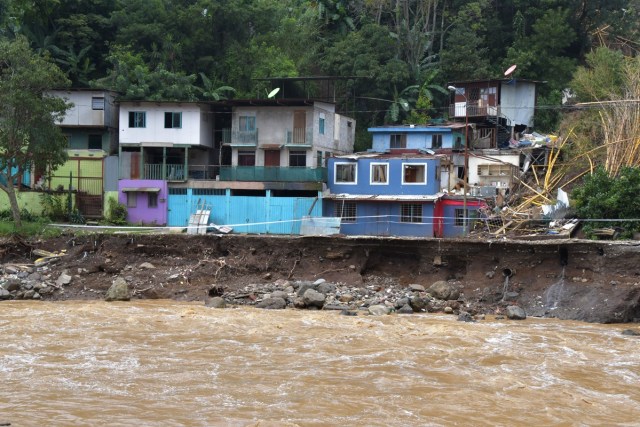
510	70
273	92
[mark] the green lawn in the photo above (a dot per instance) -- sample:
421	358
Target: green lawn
28	229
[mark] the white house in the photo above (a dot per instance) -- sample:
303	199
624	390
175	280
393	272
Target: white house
163	140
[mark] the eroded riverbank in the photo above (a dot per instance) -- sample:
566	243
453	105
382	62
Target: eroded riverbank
580	280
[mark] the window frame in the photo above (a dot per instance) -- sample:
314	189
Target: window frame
95	136
321	124
409	164
297	154
134	119
353	165
170	120
371	173
396	139
247	123
152	200
459	216
347	211
97	103
409	212
247	154
436	140
132	199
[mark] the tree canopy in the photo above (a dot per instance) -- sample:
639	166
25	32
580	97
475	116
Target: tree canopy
29	136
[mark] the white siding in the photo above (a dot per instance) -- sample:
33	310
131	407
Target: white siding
154	133
82	113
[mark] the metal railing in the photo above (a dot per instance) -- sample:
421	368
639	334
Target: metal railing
243	137
203	172
299	136
172	172
473	110
272	173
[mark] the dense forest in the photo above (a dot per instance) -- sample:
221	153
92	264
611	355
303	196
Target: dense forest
400	54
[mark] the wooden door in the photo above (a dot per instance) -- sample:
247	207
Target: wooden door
299	126
272	157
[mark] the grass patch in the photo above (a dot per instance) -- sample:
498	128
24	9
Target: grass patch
29	229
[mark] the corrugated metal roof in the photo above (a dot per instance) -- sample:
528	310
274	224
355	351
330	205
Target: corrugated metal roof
386	198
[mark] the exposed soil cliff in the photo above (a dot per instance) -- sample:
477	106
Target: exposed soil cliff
581	280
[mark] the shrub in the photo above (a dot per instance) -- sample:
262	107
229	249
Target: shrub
54	206
116	212
612	198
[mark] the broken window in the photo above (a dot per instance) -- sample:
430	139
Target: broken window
414	173
379	173
398	140
345	173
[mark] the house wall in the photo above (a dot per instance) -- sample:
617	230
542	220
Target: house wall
142	213
417	138
245	214
345	134
497	181
395	169
29	200
82	113
383	219
155	134
517	102
446	216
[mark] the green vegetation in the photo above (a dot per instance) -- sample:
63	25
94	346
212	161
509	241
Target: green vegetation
116	212
611	198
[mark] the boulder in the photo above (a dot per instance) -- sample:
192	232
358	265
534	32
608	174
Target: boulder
379	310
272	303
405	309
326	288
147	266
516	313
416	288
12	285
119	291
319	282
402	302
280	294
304	286
346	298
418	304
29	294
313	298
448	310
444	290
4	294
465	317
298	302
216	302
63	279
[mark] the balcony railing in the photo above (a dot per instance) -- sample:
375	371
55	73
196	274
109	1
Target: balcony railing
473	110
203	172
173	172
240	137
299	136
269	173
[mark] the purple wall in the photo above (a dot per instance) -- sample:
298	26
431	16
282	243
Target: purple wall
142	213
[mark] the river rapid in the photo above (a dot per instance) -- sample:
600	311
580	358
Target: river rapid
170	363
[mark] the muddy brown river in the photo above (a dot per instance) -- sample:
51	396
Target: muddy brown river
170	363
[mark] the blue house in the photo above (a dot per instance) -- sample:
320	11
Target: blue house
399	138
383	194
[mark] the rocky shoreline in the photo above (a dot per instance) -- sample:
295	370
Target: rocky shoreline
577	280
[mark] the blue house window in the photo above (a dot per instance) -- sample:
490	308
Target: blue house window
345	173
247	123
414	173
398	140
436	140
410	212
379	173
459	217
137	119
321	124
346	211
172	120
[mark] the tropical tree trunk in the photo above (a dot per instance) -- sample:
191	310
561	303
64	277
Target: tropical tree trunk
13	202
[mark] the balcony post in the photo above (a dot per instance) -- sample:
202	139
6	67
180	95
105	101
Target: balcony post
142	174
186	163
164	162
